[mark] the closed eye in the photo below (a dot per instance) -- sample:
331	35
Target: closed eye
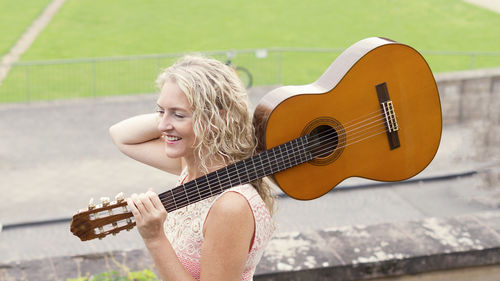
160	110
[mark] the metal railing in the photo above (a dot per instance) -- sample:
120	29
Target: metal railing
93	77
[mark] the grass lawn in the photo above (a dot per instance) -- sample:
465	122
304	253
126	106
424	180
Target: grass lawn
103	28
15	17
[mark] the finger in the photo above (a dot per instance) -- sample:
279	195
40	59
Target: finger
132	206
143	204
139	201
155	199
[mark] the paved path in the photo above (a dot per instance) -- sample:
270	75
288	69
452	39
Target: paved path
28	37
493	5
54	156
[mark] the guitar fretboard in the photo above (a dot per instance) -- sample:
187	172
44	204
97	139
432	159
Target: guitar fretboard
279	158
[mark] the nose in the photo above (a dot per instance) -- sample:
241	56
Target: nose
164	123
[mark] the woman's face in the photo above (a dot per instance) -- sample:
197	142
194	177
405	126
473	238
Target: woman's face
176	122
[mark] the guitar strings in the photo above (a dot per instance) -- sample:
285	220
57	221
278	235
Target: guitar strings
295	158
225	179
356	135
231	172
283	161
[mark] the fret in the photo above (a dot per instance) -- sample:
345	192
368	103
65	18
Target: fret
268	170
218	180
243	176
178	194
294	152
284	156
259	156
198	190
307	153
281	158
298	152
237	173
224	176
172	198
254	167
187	197
276	159
208	184
228	176
301	150
168	200
287	156
202	182
192	185
250	166
246	171
265	163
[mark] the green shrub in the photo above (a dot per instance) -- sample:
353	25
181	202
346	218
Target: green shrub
144	275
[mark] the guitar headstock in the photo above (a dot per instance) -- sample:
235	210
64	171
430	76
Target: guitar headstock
103	219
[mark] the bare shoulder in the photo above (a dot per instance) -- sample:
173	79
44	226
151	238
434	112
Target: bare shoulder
231	210
231	204
228	232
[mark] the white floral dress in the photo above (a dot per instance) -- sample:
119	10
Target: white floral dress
184	229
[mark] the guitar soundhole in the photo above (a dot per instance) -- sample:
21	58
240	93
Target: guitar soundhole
326	140
323	140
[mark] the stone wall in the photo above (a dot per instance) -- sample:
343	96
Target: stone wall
468	96
472	98
357	252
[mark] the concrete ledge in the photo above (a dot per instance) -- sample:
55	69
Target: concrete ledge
342	253
393	249
471	95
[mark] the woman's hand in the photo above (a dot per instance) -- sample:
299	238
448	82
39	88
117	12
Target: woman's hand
150	215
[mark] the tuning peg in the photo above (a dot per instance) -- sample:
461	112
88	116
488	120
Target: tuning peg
91	204
105	201
119	197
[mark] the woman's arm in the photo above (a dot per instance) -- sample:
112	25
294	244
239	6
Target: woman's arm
139	138
150	216
228	232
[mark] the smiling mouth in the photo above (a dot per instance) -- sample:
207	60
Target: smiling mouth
171	138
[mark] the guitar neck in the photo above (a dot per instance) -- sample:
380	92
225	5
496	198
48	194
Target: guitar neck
279	158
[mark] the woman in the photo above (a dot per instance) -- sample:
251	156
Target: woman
202	124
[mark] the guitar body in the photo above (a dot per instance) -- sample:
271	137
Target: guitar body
346	99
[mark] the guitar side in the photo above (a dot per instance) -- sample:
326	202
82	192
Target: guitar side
346	97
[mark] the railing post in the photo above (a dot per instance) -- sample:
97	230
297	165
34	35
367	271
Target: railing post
27	83
280	67
94	77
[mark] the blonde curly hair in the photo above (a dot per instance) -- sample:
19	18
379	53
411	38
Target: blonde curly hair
222	121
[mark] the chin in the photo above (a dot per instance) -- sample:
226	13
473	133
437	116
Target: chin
173	154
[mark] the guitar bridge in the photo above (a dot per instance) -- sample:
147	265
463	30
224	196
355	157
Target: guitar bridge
391	123
390	116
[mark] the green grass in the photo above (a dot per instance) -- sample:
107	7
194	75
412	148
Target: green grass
113	275
99	28
104	28
15	17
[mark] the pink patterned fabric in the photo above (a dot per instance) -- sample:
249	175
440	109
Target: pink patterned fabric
184	229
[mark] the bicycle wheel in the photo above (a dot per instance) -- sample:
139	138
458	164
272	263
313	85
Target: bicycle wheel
245	76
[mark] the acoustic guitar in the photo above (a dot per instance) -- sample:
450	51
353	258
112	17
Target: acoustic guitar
375	113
